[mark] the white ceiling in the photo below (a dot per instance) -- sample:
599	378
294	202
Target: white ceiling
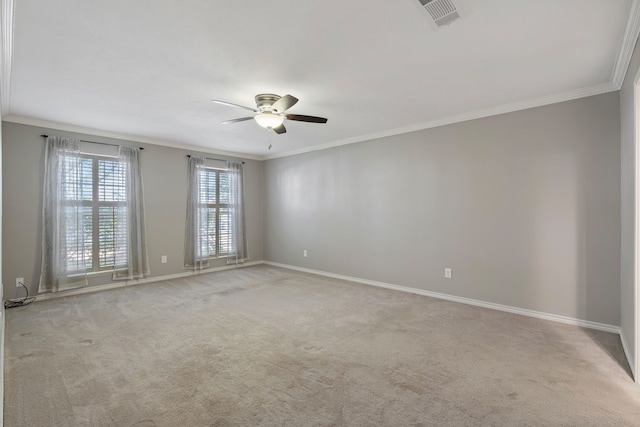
147	69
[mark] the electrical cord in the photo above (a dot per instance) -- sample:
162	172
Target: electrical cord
10	303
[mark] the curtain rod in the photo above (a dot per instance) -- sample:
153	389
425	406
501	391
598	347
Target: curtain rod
94	142
210	158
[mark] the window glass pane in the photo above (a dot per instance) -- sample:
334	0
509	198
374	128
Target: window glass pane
212	231
76	178
112	181
87	225
106	232
109	233
207	187
120	235
207	231
224	188
79	224
224	230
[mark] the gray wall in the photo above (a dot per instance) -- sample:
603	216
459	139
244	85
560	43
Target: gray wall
628	191
1	293
165	182
524	207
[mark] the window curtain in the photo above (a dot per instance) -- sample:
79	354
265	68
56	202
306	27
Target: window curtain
131	260
196	248
238	250
64	258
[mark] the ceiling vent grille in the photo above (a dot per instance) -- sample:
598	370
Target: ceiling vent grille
443	12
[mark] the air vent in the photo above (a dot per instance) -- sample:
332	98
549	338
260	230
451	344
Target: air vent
443	12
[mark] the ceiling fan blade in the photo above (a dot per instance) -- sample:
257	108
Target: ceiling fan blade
284	103
280	129
241	119
302	118
234	105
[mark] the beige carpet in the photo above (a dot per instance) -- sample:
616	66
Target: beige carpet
264	346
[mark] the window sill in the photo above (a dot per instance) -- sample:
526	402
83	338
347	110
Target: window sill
95	273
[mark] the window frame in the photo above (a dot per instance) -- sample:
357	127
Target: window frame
219	253
95	204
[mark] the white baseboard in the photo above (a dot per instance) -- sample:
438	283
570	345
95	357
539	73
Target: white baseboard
500	307
628	354
115	285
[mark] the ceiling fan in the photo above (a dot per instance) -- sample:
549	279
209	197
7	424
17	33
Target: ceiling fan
270	111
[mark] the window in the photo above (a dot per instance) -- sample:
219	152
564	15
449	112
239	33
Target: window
92	216
93	196
214	207
214	226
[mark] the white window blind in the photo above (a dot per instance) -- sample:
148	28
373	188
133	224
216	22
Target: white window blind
97	190
214	205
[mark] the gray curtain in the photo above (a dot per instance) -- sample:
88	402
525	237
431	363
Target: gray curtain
64	255
238	250
196	248
130	240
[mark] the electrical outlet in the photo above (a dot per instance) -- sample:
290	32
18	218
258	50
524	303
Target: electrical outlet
304	253
19	280
164	259
447	273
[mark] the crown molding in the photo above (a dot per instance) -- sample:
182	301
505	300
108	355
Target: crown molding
115	135
7	13
627	45
494	111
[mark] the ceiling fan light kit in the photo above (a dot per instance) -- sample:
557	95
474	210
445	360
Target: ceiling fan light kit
269	120
270	110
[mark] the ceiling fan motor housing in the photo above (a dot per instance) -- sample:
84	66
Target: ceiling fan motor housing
264	101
